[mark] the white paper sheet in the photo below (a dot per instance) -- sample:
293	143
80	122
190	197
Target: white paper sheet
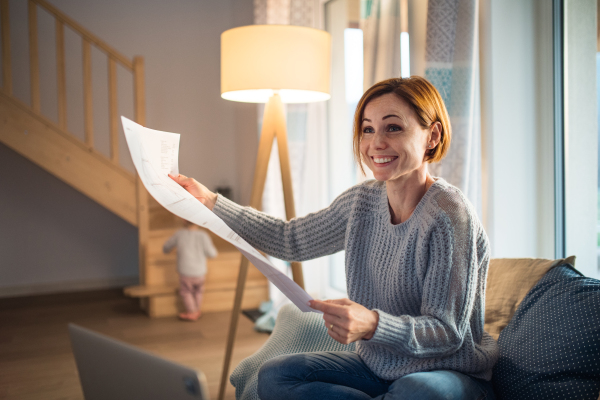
155	154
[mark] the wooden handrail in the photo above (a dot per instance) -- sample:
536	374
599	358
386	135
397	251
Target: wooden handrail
87	35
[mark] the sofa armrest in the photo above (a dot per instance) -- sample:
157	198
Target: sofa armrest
294	332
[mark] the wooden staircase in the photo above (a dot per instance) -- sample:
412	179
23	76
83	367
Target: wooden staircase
51	146
159	289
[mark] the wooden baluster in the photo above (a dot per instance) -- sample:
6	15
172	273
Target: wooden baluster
61	77
6	62
71	23
142	194
113	110
34	62
139	90
88	113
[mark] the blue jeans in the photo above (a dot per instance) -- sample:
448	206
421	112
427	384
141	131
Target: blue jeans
343	375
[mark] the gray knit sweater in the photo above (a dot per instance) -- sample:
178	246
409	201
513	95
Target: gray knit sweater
425	277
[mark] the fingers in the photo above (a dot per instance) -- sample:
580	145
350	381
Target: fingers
182	179
343	302
179	179
339	334
333	320
330	307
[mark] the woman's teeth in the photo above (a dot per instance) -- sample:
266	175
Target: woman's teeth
383	160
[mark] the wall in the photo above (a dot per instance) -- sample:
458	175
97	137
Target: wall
581	131
517	88
53	238
517	154
180	41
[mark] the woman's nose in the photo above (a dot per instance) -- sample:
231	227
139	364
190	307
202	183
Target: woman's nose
379	141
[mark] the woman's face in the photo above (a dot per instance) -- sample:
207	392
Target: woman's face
393	143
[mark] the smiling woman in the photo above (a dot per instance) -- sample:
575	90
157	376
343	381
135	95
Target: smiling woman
400	125
416	262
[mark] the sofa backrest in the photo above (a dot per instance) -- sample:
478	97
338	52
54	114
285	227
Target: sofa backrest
509	280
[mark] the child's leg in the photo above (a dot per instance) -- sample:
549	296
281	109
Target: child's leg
186	291
199	291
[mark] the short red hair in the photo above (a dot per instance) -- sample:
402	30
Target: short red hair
422	97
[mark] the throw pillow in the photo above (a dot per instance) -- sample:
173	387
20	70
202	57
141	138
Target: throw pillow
551	347
509	280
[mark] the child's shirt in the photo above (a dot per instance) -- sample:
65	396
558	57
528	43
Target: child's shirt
193	248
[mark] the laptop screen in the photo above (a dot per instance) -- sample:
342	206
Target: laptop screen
110	369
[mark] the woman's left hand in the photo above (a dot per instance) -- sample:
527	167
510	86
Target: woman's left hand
346	320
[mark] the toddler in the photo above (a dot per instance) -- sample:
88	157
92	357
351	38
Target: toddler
194	246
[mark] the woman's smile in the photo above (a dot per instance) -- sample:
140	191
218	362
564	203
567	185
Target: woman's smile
382	161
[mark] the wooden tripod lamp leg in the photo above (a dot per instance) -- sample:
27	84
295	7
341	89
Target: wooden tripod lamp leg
260	175
273	126
286	179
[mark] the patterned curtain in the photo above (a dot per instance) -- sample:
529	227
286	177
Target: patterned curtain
453	67
307	141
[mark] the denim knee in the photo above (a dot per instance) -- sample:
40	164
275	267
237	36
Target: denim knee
270	376
436	385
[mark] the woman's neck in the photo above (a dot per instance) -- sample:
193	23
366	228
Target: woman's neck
405	193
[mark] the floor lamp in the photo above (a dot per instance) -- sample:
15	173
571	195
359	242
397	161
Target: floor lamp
272	64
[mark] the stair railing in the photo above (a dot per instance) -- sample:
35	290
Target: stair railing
135	66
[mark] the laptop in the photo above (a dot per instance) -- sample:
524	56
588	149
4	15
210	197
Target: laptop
112	370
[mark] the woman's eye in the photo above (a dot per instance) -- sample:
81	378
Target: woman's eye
368	129
394	128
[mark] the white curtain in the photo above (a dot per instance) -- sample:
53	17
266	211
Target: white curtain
453	67
380	21
307	142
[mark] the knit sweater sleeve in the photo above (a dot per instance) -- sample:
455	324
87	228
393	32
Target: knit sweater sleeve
449	289
210	251
314	235
170	243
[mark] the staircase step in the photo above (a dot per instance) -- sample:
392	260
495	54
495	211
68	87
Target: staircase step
162	280
152	291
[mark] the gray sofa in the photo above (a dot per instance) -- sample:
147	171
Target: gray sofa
544	314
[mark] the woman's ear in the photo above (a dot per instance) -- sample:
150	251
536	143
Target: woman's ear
435	133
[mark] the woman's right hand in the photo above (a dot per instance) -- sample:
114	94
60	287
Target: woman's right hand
196	189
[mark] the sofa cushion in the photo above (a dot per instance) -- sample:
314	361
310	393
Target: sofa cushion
551	347
509	280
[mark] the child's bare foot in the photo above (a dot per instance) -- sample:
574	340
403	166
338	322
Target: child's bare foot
186	316
196	315
190	316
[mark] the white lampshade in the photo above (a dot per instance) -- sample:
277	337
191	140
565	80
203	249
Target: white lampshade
259	60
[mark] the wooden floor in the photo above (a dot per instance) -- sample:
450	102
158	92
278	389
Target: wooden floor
36	361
